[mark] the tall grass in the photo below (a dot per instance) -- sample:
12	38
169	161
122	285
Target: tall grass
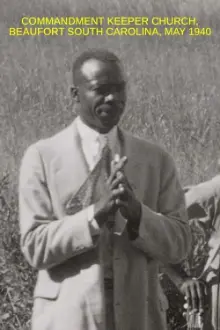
173	99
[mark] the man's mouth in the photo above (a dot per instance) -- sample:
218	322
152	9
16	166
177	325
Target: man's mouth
106	115
106	112
105	108
109	114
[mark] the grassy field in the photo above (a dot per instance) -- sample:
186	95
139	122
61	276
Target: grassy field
173	98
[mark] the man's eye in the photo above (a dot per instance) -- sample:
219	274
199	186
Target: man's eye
101	89
105	89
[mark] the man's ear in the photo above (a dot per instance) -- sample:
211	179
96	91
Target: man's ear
75	94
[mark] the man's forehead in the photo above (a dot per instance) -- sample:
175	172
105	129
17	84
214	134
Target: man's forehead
94	69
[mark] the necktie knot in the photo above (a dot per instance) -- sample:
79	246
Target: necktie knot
103	141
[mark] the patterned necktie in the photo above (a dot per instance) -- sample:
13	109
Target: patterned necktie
106	159
106	166
94	186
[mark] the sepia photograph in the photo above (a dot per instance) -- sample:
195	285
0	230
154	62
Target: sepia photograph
110	165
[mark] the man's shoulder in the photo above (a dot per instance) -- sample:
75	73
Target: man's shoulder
52	144
146	146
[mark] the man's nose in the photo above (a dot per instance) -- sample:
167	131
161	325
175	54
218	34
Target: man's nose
109	97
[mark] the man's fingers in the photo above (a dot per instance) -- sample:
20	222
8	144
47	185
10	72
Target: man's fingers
125	180
200	294
120	203
120	165
116	158
115	167
119	180
188	298
194	297
112	165
185	306
118	192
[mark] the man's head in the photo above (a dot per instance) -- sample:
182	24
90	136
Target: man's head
99	87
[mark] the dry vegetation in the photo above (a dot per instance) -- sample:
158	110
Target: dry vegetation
173	98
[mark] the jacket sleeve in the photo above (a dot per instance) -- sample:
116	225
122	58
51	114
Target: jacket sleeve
45	240
176	273
165	235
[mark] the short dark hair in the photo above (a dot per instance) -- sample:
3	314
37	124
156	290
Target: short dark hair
103	55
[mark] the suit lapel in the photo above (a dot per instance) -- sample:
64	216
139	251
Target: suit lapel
80	165
71	167
129	148
142	168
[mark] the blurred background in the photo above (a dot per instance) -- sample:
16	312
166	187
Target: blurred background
173	99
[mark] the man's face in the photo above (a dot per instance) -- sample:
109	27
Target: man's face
101	93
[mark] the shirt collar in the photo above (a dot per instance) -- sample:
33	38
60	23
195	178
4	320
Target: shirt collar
90	135
86	133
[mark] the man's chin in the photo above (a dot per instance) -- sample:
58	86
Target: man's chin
105	129
107	125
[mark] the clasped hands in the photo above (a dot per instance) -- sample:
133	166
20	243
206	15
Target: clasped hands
118	195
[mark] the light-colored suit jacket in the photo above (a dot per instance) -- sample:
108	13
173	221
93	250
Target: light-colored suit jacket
69	293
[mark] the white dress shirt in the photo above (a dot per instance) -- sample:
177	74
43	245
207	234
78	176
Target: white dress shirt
93	142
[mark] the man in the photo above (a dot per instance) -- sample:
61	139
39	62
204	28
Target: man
202	292
96	234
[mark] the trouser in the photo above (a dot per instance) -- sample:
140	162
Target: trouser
109	304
